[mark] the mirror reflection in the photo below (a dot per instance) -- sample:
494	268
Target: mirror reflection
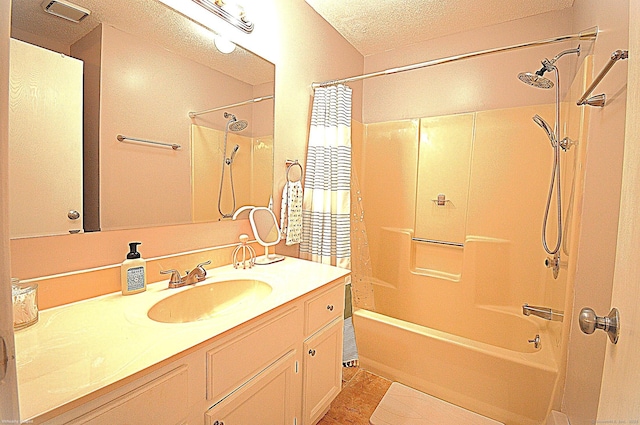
142	71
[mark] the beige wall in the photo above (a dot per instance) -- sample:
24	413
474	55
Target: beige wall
594	274
477	84
304	49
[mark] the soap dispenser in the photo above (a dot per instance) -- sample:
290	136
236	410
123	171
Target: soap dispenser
133	275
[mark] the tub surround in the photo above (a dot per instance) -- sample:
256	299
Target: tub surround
76	351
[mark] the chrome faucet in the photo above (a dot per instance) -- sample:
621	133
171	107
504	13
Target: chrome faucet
544	312
198	274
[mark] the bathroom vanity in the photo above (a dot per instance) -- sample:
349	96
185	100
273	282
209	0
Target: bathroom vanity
273	359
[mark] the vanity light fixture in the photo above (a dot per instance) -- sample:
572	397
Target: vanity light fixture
230	11
66	10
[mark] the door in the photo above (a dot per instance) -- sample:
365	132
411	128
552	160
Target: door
45	142
620	393
8	378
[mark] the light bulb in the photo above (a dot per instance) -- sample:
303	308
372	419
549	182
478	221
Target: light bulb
224	45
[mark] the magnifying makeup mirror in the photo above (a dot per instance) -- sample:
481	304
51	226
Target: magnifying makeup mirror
266	231
243	212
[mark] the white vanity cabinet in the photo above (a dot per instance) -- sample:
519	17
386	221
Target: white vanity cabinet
281	367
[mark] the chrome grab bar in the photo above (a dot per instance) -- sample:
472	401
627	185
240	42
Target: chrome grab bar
545	313
599	99
173	146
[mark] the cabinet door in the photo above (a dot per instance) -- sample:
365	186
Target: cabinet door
45	142
163	401
322	370
266	399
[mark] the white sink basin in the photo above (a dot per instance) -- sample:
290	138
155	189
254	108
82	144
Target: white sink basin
208	301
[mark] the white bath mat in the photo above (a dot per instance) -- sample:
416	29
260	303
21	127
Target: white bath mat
402	405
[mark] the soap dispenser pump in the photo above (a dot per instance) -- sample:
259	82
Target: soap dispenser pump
133	275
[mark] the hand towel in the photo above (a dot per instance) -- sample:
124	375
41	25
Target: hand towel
291	213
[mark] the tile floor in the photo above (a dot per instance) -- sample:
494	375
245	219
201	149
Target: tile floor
360	395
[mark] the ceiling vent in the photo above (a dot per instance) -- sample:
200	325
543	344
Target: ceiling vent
65	10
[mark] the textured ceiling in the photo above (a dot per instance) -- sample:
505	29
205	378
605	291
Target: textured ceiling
150	20
373	26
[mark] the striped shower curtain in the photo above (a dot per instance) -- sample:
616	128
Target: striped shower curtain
326	204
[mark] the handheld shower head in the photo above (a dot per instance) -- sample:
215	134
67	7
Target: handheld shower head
235	150
547	129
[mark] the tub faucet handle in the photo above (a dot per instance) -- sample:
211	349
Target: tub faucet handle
535	341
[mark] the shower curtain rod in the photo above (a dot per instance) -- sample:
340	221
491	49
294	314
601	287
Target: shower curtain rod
589	34
219	108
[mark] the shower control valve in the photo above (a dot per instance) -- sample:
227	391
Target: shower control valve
553	263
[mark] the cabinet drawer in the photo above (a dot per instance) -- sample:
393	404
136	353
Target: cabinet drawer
232	363
323	308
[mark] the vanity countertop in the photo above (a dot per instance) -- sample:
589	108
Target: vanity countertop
82	347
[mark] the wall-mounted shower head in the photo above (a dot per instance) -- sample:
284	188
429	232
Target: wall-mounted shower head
536	79
238	125
546	127
234	124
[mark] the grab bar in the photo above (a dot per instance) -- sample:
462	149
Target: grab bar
438	242
599	99
173	146
545	313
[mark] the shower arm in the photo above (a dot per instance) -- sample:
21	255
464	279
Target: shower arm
549	65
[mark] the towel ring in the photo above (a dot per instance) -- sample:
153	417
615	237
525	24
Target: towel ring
292	164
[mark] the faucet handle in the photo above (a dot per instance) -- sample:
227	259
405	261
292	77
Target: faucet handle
175	276
206	263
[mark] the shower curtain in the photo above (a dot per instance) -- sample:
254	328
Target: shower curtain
326	204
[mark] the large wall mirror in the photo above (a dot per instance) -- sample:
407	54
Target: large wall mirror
137	69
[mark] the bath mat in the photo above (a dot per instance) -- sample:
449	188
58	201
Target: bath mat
349	349
402	405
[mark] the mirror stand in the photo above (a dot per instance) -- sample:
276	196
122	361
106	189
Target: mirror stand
268	258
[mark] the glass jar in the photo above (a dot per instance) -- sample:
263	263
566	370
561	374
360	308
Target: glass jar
25	303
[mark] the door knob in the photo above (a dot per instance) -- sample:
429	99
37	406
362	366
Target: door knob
610	323
73	215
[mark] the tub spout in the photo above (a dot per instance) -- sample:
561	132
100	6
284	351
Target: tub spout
545	313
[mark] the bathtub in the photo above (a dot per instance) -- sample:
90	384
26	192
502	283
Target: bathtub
488	367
